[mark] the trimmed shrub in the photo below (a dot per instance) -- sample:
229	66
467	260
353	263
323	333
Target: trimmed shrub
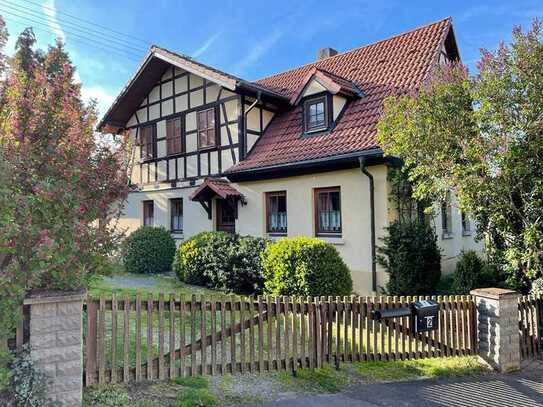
304	266
221	260
247	274
411	257
467	274
148	250
205	259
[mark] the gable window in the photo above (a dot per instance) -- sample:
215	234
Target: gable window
206	128
147	142
148	213
446	217
276	212
176	215
173	136
328	211
316	115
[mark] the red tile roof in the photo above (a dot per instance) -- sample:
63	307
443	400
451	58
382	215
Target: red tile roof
395	65
215	186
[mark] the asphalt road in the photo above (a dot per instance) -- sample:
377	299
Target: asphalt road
495	390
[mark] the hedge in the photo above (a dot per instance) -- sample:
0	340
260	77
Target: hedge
222	261
148	250
304	266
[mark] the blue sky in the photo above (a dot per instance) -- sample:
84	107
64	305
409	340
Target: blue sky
251	39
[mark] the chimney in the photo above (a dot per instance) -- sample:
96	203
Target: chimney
325	53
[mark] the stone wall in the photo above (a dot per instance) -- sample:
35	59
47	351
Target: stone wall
56	343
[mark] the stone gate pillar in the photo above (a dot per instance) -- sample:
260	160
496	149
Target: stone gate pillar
498	327
56	342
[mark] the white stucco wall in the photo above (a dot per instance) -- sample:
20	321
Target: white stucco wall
355	242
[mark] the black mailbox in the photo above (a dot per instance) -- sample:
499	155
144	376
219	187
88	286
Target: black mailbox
426	314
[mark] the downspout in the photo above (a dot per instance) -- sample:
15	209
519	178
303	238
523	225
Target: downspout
365	171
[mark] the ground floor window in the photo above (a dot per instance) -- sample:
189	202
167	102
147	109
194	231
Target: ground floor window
466	225
176	215
276	212
328	211
148	213
446	216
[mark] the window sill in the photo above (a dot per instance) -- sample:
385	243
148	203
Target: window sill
275	236
447	236
335	240
466	233
177	234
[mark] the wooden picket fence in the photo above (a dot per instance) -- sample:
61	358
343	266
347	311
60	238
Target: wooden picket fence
530	311
149	339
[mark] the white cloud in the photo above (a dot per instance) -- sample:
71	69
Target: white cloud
50	11
104	98
205	46
257	51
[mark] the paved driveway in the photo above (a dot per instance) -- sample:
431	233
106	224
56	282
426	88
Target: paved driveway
494	390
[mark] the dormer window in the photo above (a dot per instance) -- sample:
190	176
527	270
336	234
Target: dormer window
316	114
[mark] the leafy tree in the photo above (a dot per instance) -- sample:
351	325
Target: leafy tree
60	189
481	137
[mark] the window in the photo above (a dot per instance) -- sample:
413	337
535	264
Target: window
315	114
147	142
176	215
466	225
206	128
328	211
148	213
446	216
173	136
276	212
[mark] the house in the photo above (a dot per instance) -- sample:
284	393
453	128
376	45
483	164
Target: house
291	154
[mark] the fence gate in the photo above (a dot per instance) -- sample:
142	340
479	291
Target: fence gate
530	326
148	339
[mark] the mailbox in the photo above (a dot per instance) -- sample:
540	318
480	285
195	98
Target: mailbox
426	315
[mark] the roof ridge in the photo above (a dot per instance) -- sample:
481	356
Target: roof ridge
449	19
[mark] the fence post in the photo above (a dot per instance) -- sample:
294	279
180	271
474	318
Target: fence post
497	327
56	342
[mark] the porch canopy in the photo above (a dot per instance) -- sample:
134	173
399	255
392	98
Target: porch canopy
216	188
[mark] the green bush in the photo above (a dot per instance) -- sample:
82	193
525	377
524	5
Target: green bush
107	395
304	266
537	287
467	273
473	272
148	250
411	258
221	260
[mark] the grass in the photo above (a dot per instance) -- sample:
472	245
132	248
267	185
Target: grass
323	380
420	368
195	393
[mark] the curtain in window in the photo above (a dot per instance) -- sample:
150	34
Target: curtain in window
329	212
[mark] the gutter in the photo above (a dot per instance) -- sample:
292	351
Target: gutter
363	168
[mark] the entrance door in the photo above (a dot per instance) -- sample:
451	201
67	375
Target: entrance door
226	216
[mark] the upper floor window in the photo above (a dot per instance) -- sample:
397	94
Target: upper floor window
174	144
147	142
206	128
148	213
316	114
446	216
176	215
328	211
276	212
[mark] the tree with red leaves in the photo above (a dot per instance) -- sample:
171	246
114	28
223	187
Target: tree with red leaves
61	189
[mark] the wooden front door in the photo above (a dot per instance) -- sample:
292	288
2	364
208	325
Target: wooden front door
226	216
